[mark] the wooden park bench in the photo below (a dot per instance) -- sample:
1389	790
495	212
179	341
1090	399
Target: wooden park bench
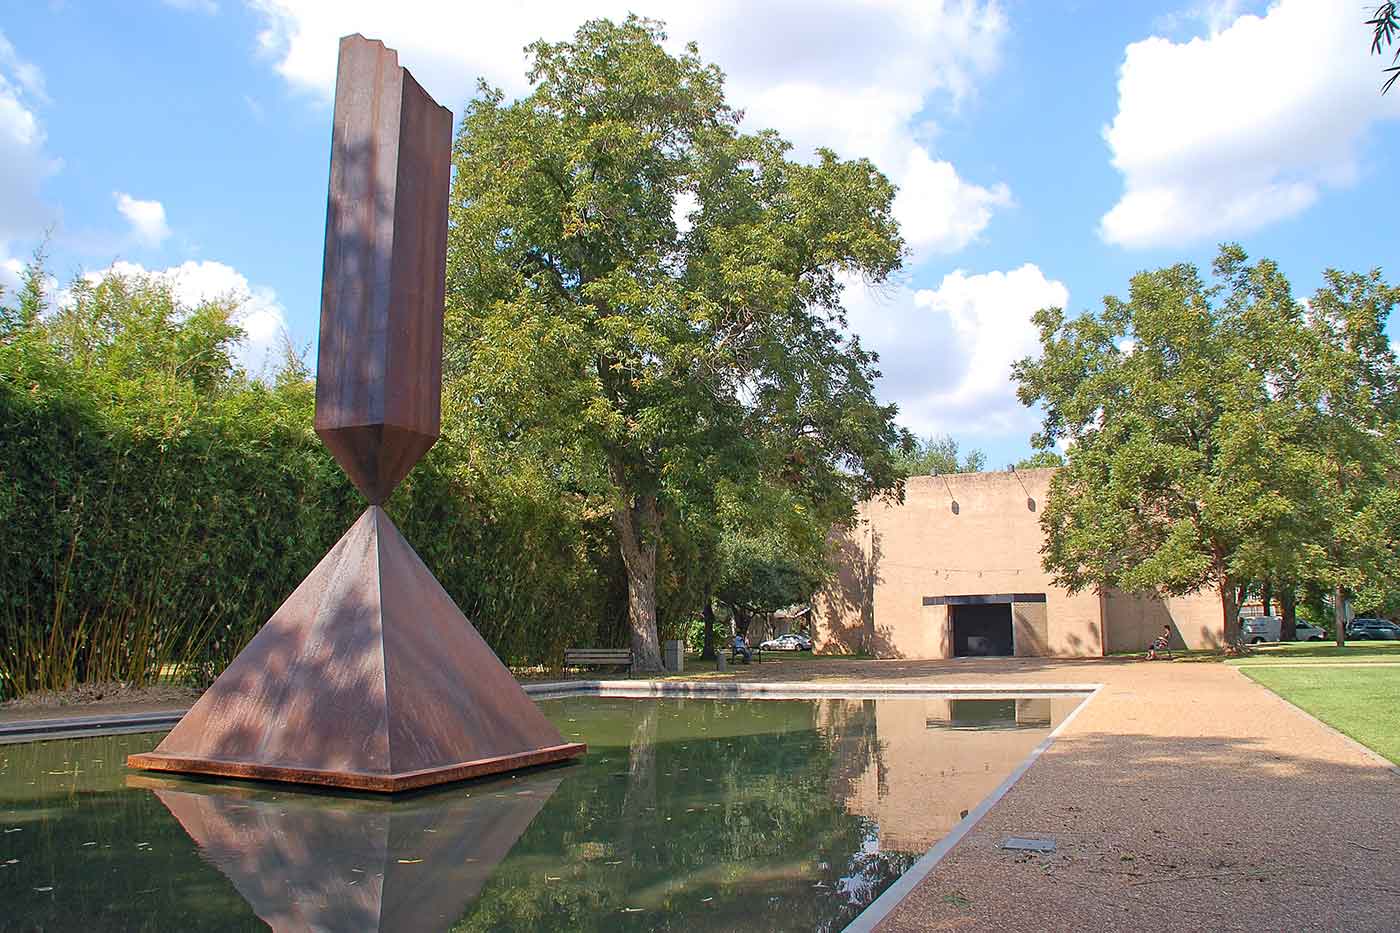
735	657
598	657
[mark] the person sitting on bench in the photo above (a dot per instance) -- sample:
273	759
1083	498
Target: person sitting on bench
742	649
1159	645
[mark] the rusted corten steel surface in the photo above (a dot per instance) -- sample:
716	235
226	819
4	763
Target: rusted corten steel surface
367	677
414	864
379	367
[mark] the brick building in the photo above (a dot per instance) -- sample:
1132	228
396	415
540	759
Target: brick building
955	570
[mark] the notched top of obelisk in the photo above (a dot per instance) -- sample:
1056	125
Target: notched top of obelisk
379	367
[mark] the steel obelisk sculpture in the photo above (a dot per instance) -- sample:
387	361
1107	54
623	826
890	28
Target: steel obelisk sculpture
368	676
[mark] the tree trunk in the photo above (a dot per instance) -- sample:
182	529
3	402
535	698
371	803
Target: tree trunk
637	525
639	800
1288	605
742	620
1339	614
1267	598
1230	612
708	614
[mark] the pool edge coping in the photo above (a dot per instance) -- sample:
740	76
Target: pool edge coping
64	727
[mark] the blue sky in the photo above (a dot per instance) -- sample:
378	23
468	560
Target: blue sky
1045	149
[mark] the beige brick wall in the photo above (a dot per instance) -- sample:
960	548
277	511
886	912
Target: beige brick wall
1134	620
899	553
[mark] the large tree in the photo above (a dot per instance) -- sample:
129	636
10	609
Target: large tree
1162	399
654	298
1224	433
1348	435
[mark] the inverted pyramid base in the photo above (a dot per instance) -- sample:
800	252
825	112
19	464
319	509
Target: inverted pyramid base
367	678
366	781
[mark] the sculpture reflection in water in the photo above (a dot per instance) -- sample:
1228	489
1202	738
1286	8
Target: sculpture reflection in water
694	814
308	861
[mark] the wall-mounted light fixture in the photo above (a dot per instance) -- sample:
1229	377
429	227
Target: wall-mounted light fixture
953	502
1030	500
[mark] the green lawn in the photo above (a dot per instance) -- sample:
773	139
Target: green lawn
1359	699
1323	651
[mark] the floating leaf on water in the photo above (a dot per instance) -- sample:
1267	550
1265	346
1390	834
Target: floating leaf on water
632	910
409	861
89	844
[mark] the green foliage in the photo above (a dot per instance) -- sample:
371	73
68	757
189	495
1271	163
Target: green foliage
653	357
711	816
938	454
1222	433
762	574
1386	24
159	505
1040	460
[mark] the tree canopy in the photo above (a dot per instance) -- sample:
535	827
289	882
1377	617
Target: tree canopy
651	299
1039	460
938	454
1220	433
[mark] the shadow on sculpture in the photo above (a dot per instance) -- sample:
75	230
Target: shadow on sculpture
339	862
368	676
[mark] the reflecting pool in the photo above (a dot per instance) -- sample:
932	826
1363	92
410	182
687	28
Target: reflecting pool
686	814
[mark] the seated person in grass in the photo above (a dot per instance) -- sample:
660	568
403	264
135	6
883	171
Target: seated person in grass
1160	643
742	649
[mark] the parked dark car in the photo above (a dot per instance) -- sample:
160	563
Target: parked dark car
1373	630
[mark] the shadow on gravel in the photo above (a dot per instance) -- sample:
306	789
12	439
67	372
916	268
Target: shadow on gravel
1219	833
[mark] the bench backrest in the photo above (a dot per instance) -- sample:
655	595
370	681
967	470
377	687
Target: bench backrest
597	656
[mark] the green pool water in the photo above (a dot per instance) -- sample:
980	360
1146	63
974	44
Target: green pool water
686	814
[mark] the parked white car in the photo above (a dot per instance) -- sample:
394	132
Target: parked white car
792	641
1259	629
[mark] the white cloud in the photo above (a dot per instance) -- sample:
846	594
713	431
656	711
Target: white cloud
858	77
147	218
940	212
1225	134
23	162
260	313
946	352
11	272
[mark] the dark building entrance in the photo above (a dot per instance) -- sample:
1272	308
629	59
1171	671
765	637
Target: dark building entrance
981	630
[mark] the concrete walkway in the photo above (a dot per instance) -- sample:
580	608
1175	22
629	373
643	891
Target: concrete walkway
1183	797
